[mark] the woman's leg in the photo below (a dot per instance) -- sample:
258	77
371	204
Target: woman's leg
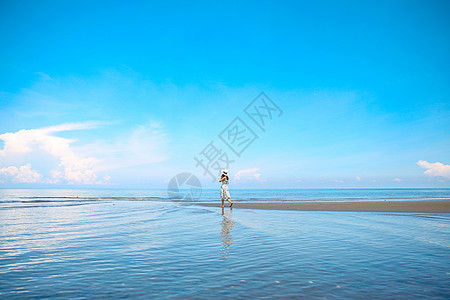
227	194
223	203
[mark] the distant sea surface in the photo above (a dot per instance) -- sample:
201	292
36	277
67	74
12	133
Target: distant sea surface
97	243
26	197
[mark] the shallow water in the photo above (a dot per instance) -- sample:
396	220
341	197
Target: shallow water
129	245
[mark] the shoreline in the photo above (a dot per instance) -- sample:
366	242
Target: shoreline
440	206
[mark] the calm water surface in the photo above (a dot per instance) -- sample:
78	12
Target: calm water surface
116	243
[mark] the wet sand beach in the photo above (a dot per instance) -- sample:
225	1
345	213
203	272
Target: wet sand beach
374	206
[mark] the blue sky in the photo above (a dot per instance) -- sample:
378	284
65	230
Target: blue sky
125	94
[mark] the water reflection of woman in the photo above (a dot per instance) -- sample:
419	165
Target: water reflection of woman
227	239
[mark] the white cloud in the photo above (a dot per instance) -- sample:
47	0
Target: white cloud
358	178
28	140
248	175
397	180
22	174
72	168
436	169
79	165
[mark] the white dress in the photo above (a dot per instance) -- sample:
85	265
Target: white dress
224	193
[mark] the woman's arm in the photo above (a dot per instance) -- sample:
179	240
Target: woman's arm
222	178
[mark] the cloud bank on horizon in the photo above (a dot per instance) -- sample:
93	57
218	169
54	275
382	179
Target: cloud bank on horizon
71	166
248	175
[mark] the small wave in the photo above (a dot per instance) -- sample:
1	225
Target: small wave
95	198
40	206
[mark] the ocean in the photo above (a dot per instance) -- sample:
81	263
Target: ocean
105	243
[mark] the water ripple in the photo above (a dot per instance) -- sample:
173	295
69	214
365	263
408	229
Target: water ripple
121	247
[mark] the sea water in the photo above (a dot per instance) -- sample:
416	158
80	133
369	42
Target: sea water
133	243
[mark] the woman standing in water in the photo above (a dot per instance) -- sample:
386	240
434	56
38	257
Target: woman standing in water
224	193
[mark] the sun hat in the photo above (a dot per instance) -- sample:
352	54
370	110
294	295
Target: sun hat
225	171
